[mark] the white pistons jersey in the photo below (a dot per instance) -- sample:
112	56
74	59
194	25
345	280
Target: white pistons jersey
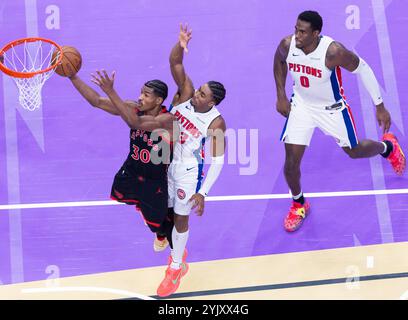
186	168
315	86
318	99
189	149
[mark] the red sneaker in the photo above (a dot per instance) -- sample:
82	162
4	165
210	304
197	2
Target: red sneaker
171	280
296	215
396	157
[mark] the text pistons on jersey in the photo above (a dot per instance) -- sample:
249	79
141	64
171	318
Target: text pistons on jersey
187	125
295	67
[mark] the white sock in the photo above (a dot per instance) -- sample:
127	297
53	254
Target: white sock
385	147
179	244
298	196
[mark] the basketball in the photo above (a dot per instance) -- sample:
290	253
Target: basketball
71	62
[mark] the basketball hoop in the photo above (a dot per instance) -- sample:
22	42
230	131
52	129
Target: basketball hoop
30	63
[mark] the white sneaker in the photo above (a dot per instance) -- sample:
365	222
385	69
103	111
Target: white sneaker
160	245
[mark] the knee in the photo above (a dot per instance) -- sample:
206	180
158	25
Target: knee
181	223
291	165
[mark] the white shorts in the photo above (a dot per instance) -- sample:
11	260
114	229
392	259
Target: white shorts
302	121
183	182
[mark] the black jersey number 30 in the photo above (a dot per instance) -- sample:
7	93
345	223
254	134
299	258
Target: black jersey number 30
142	155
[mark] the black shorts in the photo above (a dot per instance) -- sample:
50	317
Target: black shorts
150	196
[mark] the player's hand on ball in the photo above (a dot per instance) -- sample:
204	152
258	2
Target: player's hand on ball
283	107
103	80
198	202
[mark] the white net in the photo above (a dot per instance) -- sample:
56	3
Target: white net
26	58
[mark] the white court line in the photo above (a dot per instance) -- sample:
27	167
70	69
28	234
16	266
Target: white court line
89	289
214	198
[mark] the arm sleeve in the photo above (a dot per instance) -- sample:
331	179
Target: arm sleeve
370	82
213	172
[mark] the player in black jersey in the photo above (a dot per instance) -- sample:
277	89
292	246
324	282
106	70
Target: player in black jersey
142	179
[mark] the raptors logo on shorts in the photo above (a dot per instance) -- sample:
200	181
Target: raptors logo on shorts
181	194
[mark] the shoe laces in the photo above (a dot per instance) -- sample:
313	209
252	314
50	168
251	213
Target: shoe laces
298	210
172	273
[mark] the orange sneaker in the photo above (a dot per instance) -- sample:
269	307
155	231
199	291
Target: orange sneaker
171	280
296	215
170	259
396	157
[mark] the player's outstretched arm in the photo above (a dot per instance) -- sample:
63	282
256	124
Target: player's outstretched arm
93	97
338	55
184	84
128	111
217	133
165	125
280	72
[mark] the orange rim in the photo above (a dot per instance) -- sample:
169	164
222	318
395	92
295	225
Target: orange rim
17	42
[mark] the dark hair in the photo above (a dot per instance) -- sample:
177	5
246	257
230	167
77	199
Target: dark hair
160	89
218	91
314	18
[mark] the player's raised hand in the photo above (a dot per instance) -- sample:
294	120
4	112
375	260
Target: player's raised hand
185	36
383	118
103	80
